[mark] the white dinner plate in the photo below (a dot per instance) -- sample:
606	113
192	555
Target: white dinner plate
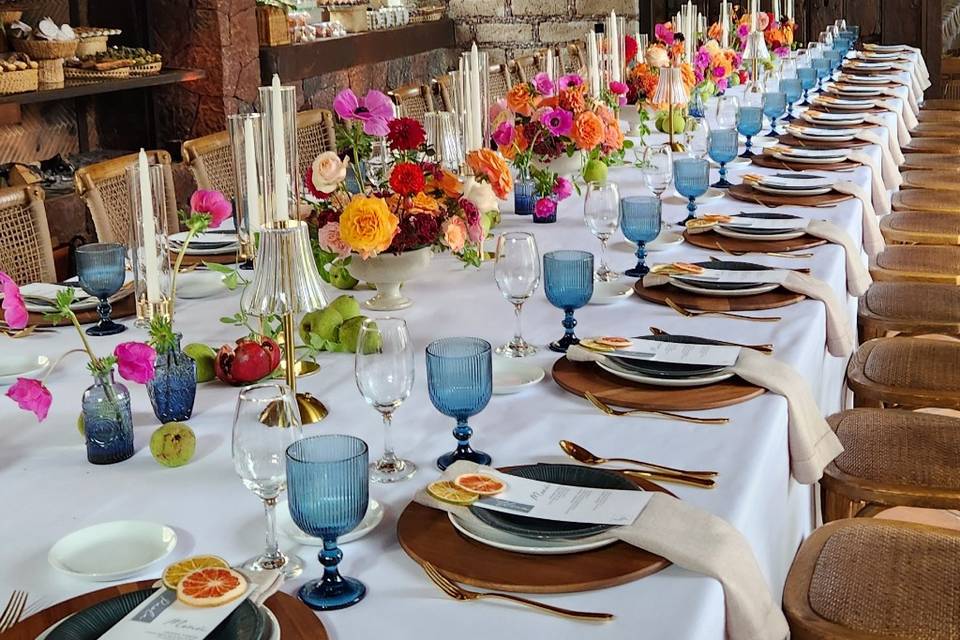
195	251
665	240
846	104
835	138
731	233
736	162
724	293
179	238
887	47
760	141
864	79
878	55
513	375
484	534
20	365
199	284
635	376
809	159
856	90
832	118
370	521
610	292
818	191
112	550
868	66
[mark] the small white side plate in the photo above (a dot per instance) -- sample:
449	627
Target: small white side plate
199	284
611	292
291	530
665	240
512	375
711	195
13	366
112	550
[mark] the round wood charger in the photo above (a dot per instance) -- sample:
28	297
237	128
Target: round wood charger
793	141
746	193
122	308
769	162
775	299
828	109
232	257
428	536
580	377
297	621
713	240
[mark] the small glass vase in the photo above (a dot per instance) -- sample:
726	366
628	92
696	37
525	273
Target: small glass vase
524	197
174	385
107	421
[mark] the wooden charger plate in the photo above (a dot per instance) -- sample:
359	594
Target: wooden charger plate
580	377
792	141
713	240
746	193
769	162
775	299
122	308
428	536
829	109
297	621
217	258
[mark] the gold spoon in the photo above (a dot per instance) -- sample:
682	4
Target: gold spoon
581	454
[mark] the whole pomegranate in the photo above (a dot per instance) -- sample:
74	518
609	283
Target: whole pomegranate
250	360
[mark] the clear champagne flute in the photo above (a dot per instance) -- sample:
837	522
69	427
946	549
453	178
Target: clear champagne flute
601	212
517	271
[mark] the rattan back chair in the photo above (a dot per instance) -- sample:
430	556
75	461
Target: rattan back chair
572	59
940	104
413	101
891	458
26	251
869	579
910	373
529	66
103	186
210	159
904	263
908	308
926	199
315	134
931	161
500	80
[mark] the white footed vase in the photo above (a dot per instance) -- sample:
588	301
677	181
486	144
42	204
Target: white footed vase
567	166
386	272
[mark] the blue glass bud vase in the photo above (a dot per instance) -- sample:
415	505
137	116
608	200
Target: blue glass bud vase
107	421
524	197
174	385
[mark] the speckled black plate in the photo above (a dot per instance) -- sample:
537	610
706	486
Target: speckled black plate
727	265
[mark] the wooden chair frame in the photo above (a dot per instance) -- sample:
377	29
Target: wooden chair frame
32	197
894	235
868	393
933	145
871	325
522	63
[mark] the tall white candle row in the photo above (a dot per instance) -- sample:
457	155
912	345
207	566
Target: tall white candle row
148	231
790	9
725	24
776	10
471	67
613	41
593	63
754	14
551	65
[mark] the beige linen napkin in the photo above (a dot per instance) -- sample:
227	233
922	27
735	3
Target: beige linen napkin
881	199
902	133
873	242
858	276
903	112
913	109
812	442
692	539
889	150
840	339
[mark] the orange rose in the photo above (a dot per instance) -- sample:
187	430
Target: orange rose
367	226
588	131
448	183
606	114
715	31
509	152
422	203
613	137
489	165
520	100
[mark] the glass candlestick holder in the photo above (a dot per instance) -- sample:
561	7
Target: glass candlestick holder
149	245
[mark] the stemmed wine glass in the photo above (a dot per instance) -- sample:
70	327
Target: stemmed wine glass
725	114
657	168
329	492
808	80
750	120
384	371
517	271
265	422
640	221
568	283
724	144
691	179
101	271
460	383
601	212
790	85
822	67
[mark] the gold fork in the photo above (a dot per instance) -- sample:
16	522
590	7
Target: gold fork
762	348
610	411
457	592
14	609
775	254
736	316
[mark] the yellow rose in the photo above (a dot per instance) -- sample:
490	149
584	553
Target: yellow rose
422	203
367	225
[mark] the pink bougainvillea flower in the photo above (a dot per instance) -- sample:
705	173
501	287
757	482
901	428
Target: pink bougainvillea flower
374	110
544	84
31	395
562	188
211	203
559	122
503	135
619	88
135	361
14	311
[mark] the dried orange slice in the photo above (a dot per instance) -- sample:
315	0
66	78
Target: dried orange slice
615	342
173	574
211	587
480	484
449	492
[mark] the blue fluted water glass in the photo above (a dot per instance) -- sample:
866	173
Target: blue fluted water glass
174	385
640	218
808	80
723	147
822	67
568	283
832	56
774	106
749	123
460	383
101	270
329	487
107	420
524	197
792	88
691	178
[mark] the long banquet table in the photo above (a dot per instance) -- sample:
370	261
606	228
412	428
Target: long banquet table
50	490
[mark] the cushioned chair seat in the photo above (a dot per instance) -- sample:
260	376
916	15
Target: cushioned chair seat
909	308
933	145
926	199
921	227
931	179
939	161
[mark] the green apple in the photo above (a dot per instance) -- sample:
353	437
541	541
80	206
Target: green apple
346	306
324	323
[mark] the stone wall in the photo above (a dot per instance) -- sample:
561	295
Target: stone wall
509	28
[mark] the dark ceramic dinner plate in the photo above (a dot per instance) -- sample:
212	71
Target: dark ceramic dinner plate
762	216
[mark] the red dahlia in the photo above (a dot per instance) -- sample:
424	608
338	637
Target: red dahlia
406	134
406	179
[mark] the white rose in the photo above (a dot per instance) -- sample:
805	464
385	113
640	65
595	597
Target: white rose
328	171
481	195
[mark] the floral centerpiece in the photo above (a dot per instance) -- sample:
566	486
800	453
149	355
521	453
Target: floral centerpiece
644	75
715	69
778	35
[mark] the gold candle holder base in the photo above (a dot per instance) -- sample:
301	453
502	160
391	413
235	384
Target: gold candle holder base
147	311
311	409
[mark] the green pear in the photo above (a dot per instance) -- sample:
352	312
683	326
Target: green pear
346	306
324	323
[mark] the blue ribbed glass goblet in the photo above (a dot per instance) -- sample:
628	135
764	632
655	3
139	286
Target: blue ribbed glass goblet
808	80
774	106
568	283
640	218
724	144
691	178
749	123
833	57
792	88
460	383
100	269
328	486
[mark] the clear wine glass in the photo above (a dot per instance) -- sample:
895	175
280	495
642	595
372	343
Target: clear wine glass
384	370
601	212
658	168
265	423
517	271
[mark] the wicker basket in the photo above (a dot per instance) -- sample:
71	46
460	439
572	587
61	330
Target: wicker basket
46	49
427	14
18	81
73	73
272	26
91	45
10	15
353	18
51	71
141	70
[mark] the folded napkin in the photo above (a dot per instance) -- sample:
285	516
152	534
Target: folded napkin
49	291
881	198
840	339
858	276
812	442
903	134
692	539
890	152
873	242
911	101
908	118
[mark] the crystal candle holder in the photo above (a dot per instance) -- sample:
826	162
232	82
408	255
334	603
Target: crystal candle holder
281	181
246	145
149	246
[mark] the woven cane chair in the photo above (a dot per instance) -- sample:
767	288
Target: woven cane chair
891	458
937	200
442	88
529	66
500	80
931	161
940	104
903	263
936	130
315	134
921	227
413	101
933	145
210	158
26	252
908	308
103	186
867	579
572	59
939	116
910	373
931	179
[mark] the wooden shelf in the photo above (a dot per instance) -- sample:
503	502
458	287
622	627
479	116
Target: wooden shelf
80	88
306	60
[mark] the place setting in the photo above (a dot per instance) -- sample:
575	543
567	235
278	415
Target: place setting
825	121
796	189
778	234
804	159
219	246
